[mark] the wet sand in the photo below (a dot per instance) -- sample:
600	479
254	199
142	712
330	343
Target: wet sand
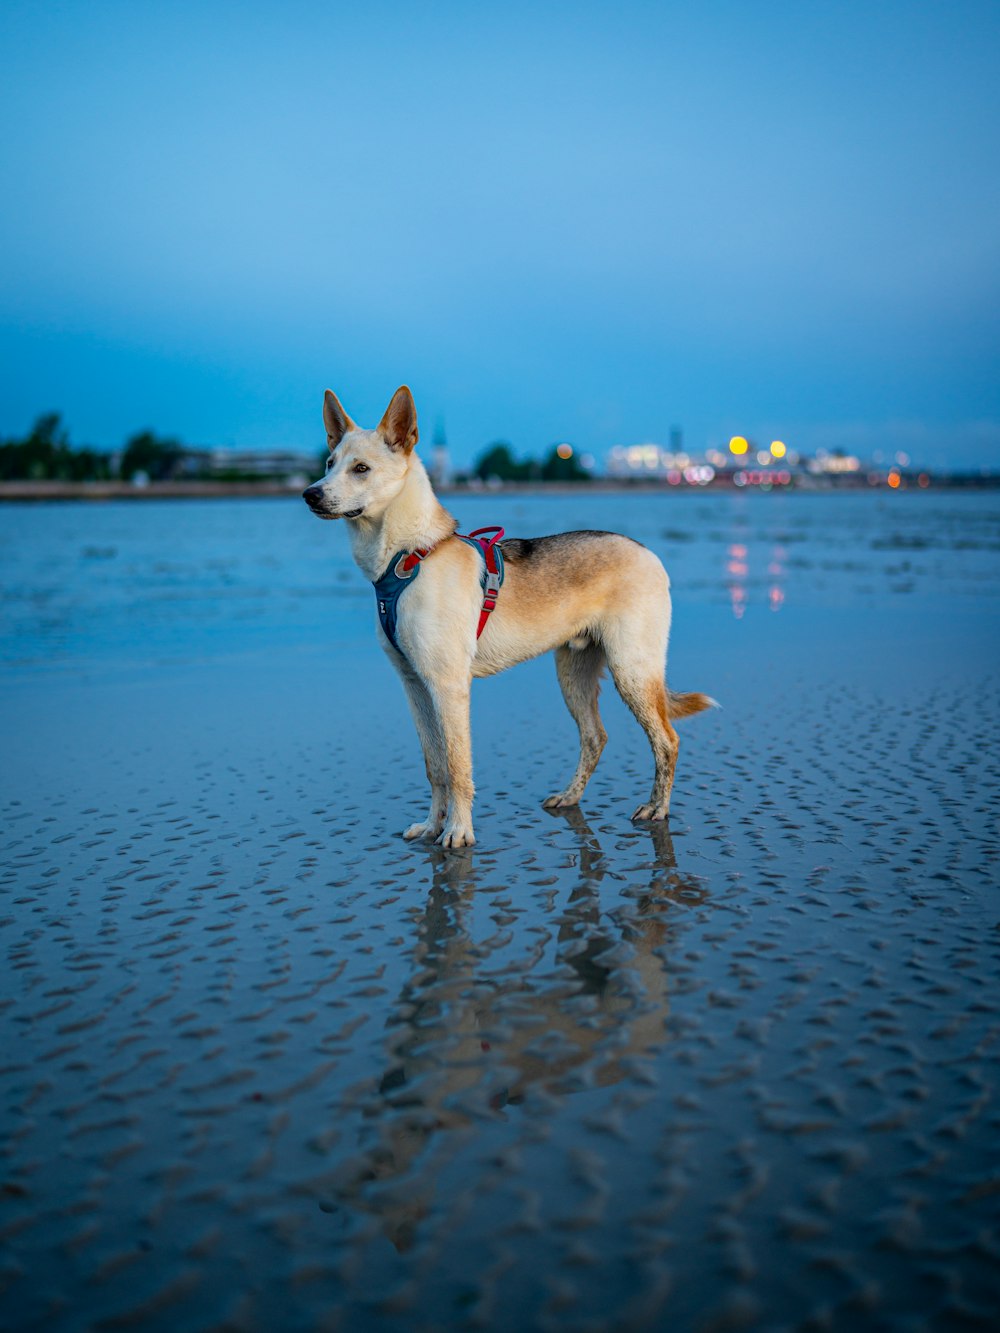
267	1066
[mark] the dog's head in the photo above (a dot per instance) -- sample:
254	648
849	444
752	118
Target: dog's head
366	468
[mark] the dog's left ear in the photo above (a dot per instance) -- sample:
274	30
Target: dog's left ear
399	425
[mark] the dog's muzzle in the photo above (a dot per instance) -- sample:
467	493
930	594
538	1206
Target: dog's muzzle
313	496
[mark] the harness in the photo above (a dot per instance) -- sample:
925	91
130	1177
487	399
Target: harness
405	566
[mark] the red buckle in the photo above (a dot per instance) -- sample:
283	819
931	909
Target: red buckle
407	564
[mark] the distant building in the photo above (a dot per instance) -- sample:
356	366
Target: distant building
278	464
263	462
439	468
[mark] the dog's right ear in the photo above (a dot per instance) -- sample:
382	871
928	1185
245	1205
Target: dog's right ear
335	419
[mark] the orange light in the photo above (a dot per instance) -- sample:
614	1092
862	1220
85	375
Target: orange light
778	450
565	450
893	479
738	445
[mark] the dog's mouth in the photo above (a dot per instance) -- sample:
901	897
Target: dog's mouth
314	499
336	513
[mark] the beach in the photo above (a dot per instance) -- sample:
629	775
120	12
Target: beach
266	1065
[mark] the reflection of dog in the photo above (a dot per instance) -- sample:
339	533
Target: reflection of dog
597	598
483	1022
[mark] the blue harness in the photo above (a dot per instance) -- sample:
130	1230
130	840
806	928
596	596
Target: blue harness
403	570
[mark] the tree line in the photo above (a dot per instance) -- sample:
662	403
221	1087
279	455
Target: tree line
46	454
497	462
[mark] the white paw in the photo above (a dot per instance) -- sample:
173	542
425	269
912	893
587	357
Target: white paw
457	835
421	831
560	800
652	812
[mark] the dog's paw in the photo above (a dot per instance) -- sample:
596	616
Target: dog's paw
457	835
651	812
421	831
560	800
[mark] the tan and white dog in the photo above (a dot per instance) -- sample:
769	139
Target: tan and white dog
596	598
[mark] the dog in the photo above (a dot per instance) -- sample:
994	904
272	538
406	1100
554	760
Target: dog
596	599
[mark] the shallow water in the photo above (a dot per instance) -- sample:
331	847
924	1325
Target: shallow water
267	1066
137	584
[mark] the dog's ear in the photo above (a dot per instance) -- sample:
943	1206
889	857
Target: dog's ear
335	419
399	425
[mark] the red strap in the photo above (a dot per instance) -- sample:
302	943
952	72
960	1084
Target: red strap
412	560
486	545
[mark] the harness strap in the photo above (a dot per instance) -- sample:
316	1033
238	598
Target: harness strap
405	565
411	561
494	572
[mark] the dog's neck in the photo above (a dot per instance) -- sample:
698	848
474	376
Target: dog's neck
414	521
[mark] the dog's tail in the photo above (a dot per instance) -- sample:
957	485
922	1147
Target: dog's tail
686	705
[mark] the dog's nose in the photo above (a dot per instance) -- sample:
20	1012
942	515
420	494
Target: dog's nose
313	495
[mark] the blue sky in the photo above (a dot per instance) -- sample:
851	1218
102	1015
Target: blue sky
554	221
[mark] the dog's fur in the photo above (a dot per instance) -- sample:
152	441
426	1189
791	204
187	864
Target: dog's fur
596	598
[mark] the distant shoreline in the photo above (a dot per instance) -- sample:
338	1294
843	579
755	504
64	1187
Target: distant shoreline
30	491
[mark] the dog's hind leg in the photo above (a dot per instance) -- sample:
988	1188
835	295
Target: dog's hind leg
579	671
435	761
636	645
648	701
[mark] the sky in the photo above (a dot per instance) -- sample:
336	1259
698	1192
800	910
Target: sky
554	221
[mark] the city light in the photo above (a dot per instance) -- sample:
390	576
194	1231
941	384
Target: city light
564	450
746	465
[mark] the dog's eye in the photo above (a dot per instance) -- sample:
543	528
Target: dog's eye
361	467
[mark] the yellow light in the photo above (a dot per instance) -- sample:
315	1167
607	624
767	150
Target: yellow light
738	445
893	479
565	451
777	449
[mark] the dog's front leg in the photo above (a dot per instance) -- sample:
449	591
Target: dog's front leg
435	760
451	700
